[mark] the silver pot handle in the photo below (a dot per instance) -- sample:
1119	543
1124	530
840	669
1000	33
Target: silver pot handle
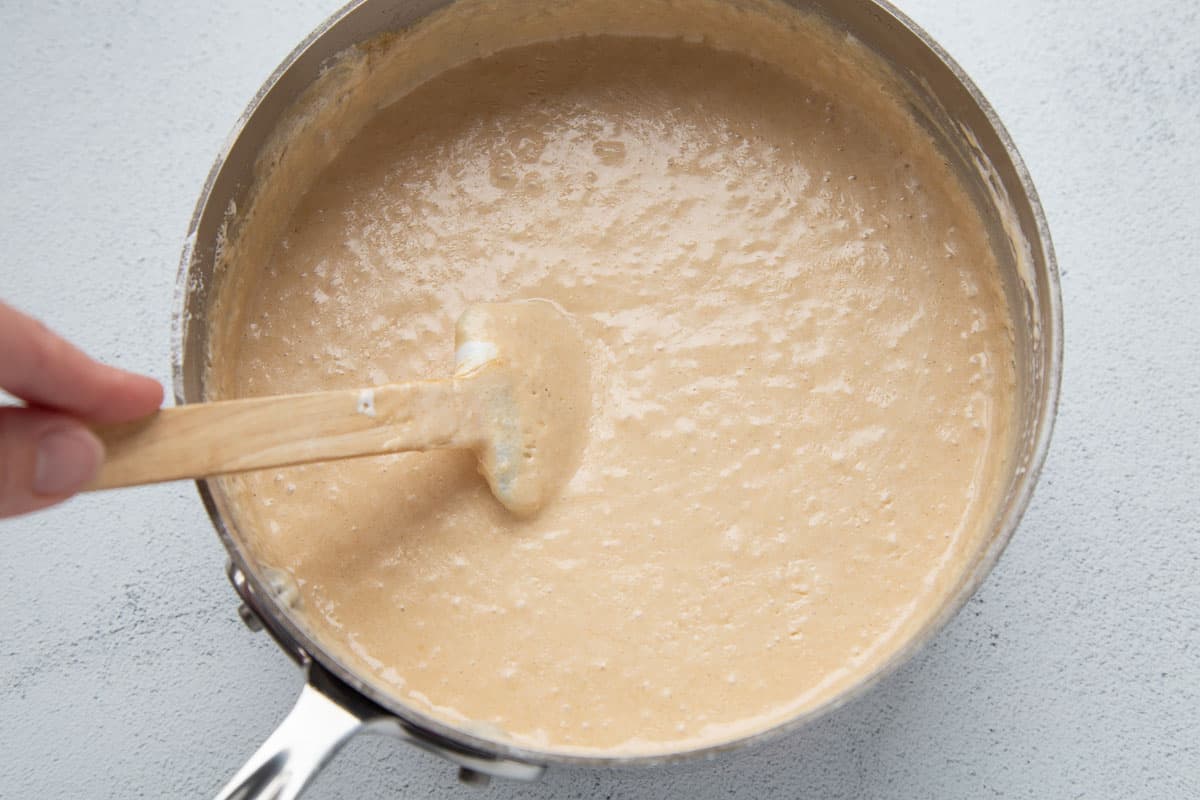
325	716
290	758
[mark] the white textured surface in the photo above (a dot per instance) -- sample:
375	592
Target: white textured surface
1074	673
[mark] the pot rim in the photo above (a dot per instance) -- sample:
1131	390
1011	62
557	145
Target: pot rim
294	640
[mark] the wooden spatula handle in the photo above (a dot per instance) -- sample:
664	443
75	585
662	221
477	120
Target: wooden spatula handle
195	441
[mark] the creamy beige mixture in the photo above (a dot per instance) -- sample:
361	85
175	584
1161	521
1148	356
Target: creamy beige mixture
801	376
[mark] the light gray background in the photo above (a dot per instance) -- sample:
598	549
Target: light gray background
1074	673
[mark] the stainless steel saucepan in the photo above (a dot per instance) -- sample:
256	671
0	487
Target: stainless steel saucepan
337	702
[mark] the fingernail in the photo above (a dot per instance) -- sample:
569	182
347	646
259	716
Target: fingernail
67	458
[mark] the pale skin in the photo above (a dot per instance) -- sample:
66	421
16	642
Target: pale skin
47	452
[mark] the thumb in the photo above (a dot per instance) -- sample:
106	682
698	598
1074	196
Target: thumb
44	458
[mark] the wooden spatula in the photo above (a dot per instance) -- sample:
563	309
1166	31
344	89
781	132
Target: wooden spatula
519	398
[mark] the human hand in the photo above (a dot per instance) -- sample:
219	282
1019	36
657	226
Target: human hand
47	453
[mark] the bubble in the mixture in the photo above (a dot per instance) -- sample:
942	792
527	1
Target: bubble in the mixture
731	539
685	425
610	153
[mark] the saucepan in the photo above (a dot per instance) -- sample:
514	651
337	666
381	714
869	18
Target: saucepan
337	701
